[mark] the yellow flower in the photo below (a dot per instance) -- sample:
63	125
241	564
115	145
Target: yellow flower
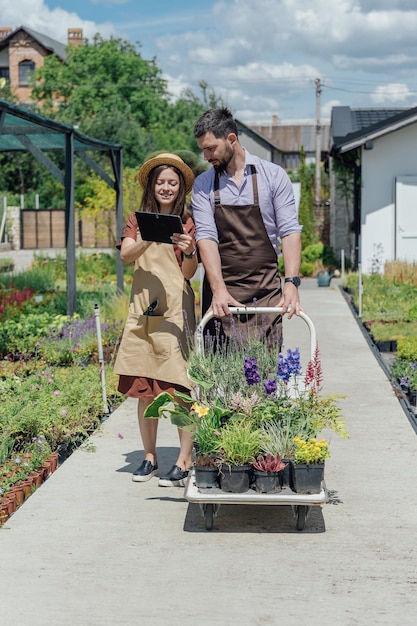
200	410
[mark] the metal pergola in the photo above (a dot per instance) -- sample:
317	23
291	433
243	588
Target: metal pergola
21	130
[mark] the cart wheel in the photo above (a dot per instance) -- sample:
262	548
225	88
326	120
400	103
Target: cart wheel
209	512
301	516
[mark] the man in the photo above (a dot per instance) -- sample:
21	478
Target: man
243	209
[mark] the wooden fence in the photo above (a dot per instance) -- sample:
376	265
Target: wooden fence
40	228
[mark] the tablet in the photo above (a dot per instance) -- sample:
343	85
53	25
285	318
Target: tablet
158	226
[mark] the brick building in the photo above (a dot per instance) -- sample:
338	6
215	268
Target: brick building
23	50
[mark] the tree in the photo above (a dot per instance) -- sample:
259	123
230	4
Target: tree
306	210
107	90
98	77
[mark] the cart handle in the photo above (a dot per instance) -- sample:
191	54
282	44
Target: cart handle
254	309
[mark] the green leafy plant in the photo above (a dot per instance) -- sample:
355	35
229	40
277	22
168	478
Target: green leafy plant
240	442
203	421
405	372
407	348
279	439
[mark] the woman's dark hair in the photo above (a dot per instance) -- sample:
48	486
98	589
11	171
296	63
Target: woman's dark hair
220	122
149	202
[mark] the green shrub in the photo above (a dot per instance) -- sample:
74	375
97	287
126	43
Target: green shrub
65	404
412	312
405	372
319	252
306	269
407	348
40	279
20	336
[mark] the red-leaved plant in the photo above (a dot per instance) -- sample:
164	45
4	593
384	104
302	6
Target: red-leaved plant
269	463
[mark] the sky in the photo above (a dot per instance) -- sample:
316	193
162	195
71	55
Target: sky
263	57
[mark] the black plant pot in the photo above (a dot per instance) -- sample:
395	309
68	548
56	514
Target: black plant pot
267	482
206	477
307	478
235	478
287	475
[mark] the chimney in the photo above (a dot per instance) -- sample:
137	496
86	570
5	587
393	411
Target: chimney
75	36
4	31
275	120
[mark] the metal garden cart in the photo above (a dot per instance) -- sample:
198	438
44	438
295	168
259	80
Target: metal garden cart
210	500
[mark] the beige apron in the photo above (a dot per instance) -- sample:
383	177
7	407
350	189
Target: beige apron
156	346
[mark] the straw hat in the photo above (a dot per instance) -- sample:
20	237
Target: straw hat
166	158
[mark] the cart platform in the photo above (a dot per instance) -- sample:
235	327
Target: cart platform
211	499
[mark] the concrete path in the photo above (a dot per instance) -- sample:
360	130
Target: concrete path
92	548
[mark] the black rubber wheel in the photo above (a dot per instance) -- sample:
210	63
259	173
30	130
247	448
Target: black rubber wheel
209	515
301	516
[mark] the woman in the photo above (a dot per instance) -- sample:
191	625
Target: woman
153	351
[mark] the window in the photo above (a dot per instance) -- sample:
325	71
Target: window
4	73
26	69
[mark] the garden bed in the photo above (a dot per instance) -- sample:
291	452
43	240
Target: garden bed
50	368
389	322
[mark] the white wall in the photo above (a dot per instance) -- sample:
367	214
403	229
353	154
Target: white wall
392	155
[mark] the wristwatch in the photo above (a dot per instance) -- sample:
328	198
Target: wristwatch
190	256
295	280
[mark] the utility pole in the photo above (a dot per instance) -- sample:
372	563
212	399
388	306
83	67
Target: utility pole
317	181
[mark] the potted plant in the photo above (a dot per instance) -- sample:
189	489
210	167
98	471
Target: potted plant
204	422
310	455
267	473
279	441
247	401
240	441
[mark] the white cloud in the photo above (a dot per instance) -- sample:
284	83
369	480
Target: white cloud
275	49
394	93
51	22
326	108
262	57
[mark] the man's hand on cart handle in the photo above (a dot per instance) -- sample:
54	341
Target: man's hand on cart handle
221	301
290	301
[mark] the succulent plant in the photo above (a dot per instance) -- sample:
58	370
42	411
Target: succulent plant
269	463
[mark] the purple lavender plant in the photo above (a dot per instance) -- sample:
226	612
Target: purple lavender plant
251	371
270	386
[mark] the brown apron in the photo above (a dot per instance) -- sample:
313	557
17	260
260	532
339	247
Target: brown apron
156	345
248	259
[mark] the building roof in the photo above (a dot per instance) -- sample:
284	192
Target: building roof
352	128
290	138
49	44
255	135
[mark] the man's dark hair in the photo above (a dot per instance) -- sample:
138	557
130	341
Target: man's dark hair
220	122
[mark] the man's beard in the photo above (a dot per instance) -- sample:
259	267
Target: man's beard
222	166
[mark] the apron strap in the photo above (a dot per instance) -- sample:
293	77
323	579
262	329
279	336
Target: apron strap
254	185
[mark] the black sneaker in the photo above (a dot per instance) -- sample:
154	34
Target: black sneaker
176	477
144	472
